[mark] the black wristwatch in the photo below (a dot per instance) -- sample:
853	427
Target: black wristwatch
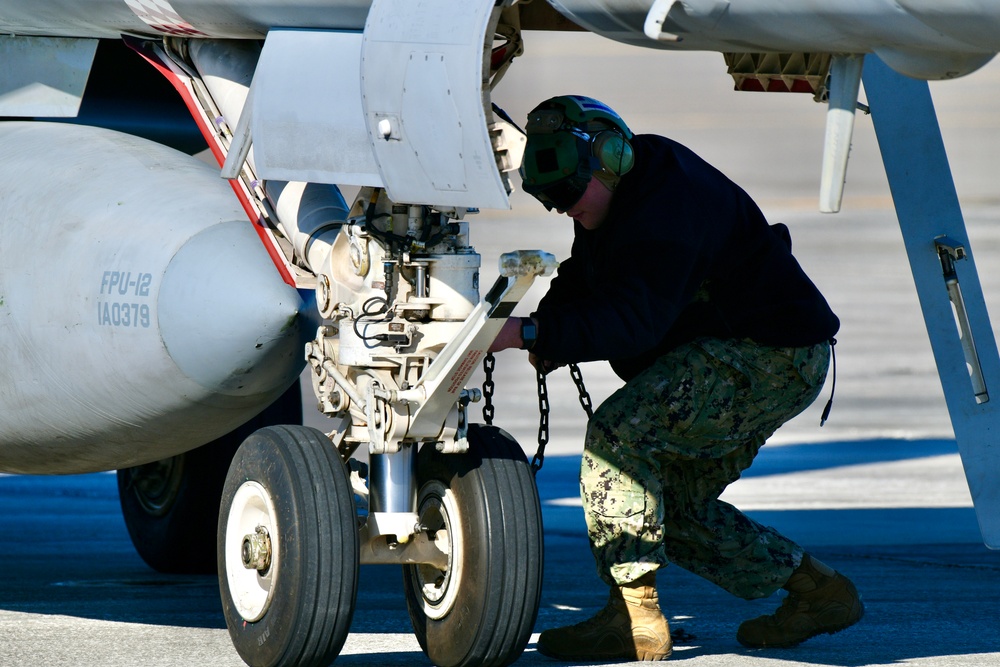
529	333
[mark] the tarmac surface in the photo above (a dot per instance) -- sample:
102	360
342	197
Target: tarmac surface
878	493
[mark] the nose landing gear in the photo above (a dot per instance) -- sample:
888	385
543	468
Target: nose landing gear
289	551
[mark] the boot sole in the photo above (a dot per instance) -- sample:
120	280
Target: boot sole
826	631
590	657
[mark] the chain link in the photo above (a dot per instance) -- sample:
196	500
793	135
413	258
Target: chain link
588	406
489	363
489	388
543	423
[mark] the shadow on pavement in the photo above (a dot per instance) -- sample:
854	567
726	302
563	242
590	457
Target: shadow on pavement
931	592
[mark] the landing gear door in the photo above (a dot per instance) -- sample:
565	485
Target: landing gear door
424	64
307	121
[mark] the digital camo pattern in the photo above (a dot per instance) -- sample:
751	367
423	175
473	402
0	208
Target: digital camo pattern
661	450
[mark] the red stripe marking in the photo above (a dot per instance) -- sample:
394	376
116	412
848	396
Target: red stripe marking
258	223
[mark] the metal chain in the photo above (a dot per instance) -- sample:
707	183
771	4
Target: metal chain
489	363
588	406
543	423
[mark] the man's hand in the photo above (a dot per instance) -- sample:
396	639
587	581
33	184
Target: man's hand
544	366
510	337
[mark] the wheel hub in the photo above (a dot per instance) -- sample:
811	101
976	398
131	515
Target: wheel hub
252	550
256	551
439	513
156	485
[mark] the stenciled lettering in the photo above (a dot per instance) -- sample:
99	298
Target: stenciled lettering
126	282
113	312
121	314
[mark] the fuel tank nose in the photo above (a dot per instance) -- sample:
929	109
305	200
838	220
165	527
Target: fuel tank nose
140	315
226	317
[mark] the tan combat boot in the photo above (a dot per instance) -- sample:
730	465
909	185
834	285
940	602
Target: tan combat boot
630	627
819	601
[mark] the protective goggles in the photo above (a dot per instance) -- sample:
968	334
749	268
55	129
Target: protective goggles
557	168
561	195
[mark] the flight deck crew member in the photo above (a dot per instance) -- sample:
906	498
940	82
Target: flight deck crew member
677	279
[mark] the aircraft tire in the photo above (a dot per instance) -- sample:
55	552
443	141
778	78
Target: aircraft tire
488	502
295	610
169	506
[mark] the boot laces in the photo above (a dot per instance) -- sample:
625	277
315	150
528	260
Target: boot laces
602	618
791	605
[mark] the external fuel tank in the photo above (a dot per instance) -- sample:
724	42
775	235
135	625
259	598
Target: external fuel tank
140	315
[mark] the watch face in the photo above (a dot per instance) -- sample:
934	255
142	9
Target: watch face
528	332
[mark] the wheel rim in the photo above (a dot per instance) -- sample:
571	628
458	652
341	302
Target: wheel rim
438	589
251	589
155	485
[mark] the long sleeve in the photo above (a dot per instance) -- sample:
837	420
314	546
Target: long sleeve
684	252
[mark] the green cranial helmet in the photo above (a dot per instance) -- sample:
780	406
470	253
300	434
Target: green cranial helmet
570	139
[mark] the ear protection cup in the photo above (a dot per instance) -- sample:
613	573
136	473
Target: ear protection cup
613	151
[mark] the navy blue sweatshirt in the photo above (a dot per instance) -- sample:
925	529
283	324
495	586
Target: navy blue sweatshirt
683	253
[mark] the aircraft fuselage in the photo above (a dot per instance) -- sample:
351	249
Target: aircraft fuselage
920	38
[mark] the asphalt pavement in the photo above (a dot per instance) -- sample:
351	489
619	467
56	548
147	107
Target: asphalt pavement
878	493
76	593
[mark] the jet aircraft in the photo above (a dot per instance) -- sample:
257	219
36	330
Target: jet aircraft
177	301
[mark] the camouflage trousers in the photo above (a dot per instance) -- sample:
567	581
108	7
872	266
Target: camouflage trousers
661	450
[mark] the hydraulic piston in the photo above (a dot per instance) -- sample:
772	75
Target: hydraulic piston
950	251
